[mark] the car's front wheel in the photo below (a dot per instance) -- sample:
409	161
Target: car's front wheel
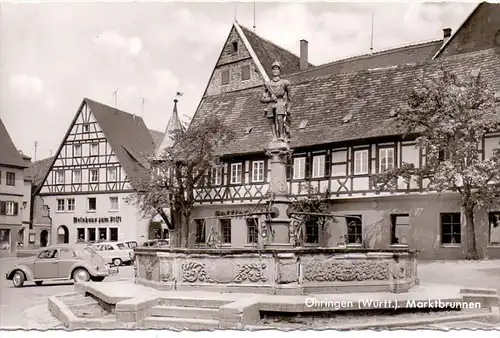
117	262
81	275
18	279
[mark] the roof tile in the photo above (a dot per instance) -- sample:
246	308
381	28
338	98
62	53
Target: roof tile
325	101
9	155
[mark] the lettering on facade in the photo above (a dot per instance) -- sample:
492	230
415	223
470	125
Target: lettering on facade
221	213
113	219
230	212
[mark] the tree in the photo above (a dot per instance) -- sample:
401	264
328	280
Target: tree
311	202
450	114
171	179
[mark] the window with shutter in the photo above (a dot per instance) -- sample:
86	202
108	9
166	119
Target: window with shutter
2	207
299	167
361	162
308	167
328	164
10	178
16	208
318	166
9	208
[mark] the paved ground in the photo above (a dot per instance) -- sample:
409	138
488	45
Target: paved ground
27	307
481	274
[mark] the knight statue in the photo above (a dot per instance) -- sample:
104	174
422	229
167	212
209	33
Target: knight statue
276	96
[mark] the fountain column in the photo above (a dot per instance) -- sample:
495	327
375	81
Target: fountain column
279	226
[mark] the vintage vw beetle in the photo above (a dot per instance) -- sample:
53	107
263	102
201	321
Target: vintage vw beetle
61	263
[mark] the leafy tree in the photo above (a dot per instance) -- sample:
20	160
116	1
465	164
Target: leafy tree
312	201
450	114
172	178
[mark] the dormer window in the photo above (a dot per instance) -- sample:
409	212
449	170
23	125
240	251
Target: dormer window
234	50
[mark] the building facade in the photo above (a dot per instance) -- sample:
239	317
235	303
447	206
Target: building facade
344	130
14	195
92	174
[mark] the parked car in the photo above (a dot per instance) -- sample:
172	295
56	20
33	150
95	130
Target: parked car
61	263
131	244
156	243
116	253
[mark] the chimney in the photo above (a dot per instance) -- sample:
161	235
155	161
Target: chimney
446	35
304	62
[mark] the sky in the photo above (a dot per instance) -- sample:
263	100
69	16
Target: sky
52	55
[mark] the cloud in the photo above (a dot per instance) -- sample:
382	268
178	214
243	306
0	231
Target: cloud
50	103
111	38
166	83
25	86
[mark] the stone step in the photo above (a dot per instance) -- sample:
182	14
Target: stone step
179	323
195	302
184	312
89	311
80	301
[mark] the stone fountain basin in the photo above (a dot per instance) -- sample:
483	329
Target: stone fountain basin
291	271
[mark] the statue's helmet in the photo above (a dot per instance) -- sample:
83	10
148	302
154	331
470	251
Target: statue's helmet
276	64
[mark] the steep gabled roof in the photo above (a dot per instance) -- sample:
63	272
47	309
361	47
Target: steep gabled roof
267	52
157	137
323	102
40	169
118	126
438	52
9	155
390	57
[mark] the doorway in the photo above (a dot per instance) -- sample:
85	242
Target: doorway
62	235
44	235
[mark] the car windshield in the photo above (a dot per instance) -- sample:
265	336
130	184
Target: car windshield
121	246
132	244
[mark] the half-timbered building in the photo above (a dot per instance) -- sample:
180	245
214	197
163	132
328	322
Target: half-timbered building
344	130
92	174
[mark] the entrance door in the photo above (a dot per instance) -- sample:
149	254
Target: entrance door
44	235
62	235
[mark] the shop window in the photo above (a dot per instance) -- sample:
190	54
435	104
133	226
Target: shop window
312	231
451	232
354	229
113	234
400	225
200	231
494	218
225	225
252	230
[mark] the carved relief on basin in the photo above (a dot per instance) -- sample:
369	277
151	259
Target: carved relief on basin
222	272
